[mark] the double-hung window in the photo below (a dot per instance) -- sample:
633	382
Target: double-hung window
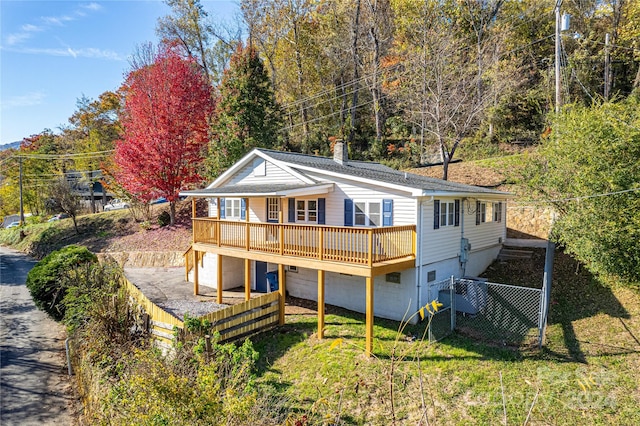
367	213
447	214
497	212
232	208
307	211
481	212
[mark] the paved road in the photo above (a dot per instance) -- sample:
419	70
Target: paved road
33	376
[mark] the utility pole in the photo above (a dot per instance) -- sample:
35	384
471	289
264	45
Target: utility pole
20	183
558	95
607	68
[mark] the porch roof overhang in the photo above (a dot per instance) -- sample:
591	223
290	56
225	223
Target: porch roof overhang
261	191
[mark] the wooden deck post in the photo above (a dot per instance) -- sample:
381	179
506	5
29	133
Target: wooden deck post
247	279
196	284
369	317
280	232
247	235
370	247
219	286
282	289
320	304
193	207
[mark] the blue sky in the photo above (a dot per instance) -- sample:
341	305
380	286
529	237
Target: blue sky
53	52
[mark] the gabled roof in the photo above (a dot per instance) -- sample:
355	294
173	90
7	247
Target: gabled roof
303	166
377	173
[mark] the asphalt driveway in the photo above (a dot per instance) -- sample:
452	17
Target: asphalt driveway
34	385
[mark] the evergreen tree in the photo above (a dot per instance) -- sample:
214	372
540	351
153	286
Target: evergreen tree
247	115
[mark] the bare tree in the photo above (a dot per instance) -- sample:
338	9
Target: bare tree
62	198
445	91
379	23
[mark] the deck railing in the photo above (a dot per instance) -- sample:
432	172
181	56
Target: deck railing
363	246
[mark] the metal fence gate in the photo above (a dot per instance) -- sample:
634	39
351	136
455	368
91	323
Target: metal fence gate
501	314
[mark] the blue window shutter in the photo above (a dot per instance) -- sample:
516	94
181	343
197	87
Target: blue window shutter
436	214
292	210
243	208
387	212
456	219
348	212
266	208
322	202
223	213
478	215
500	211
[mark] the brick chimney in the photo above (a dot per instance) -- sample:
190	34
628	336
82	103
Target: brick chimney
340	153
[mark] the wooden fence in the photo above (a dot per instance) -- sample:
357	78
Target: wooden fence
161	323
237	321
233	322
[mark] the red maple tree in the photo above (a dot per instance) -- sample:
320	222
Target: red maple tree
165	127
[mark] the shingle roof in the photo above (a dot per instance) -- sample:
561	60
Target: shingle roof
255	189
375	171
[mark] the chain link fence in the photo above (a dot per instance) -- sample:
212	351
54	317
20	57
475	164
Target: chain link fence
501	314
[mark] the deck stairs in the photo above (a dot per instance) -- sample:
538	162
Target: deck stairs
514	253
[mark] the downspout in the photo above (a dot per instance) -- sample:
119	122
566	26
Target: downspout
463	260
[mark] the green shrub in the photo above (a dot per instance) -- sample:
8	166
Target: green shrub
164	218
46	280
88	285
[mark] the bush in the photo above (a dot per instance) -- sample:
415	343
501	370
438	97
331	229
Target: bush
588	171
164	218
46	280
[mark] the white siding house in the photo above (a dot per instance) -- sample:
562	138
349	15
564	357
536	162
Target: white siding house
360	234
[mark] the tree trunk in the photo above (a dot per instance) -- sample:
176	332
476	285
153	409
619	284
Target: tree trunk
91	193
356	73
375	92
304	115
172	213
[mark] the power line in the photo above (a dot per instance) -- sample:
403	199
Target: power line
82	155
580	198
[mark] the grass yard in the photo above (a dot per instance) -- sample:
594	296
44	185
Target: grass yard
587	373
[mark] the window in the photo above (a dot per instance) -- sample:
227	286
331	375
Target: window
312	211
367	213
307	211
431	276
232	208
393	277
447	214
497	212
488	212
481	212
273	209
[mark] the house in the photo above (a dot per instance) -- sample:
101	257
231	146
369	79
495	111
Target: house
359	235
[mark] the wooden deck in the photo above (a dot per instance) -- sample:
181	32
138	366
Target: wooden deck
352	250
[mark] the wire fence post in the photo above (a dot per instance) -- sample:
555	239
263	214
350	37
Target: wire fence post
452	295
546	290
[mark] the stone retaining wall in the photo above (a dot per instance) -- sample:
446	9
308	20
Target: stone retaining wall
146	259
529	221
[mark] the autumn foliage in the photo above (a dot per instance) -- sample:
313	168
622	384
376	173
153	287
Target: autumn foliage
165	121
